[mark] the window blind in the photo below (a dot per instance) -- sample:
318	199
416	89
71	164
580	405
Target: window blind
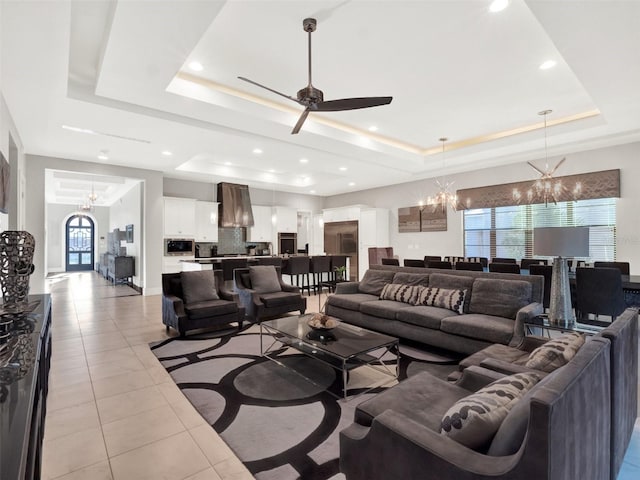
508	231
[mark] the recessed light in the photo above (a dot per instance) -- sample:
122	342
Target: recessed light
196	66
103	155
166	153
227	163
373	128
312	191
547	65
343	169
351	184
498	5
304	160
271	170
257	151
78	129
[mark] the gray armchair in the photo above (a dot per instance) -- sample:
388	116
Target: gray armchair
195	300
555	435
263	293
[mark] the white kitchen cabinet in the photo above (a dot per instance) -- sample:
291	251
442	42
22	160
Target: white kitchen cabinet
286	219
206	221
262	230
342	214
179	217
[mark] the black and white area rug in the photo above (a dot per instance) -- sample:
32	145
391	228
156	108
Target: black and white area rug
280	425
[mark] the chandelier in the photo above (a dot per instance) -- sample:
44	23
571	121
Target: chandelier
547	188
445	196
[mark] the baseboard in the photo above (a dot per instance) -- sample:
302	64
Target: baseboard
151	291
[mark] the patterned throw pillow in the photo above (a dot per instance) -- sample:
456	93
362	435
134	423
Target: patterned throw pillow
401	293
474	420
443	297
555	353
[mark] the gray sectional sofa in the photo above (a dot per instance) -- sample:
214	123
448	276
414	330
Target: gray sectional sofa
494	310
559	430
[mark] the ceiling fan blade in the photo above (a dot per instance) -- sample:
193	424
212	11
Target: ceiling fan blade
350	104
270	89
301	120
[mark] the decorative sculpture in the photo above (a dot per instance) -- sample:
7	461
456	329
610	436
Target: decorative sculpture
16	265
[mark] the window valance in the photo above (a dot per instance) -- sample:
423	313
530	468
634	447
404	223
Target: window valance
604	184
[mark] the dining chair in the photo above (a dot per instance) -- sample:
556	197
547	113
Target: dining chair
504	267
413	263
484	261
525	263
599	292
390	261
432	258
441	265
545	271
473	266
624	267
503	260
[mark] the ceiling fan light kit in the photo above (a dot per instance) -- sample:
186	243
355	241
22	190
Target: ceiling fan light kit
313	98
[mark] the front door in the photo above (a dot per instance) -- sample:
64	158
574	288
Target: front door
79	251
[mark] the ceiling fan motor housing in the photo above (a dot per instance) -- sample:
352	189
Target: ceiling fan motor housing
310	95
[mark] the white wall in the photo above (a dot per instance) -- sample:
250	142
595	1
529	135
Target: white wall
151	223
128	211
416	245
206	191
57	216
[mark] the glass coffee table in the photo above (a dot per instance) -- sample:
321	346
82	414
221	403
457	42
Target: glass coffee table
344	348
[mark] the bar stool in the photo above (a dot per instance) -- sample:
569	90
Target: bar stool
318	266
298	267
275	261
230	264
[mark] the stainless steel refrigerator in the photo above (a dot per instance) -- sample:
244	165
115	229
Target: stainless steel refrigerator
341	238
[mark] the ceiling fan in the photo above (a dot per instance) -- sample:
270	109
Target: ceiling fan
313	99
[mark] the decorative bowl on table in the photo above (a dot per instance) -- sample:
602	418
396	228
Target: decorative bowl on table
320	321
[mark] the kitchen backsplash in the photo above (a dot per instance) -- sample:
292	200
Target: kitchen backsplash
232	240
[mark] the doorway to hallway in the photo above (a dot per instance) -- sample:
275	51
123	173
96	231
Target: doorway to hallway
79	253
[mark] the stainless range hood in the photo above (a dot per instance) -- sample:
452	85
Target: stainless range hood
235	205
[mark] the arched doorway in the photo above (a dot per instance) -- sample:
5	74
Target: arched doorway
79	235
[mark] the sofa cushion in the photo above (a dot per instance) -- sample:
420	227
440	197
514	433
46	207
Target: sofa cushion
411	278
451	299
198	286
556	352
384	308
501	298
350	301
210	308
482	327
423	316
264	278
400	293
374	281
454	282
422	397
499	352
278	299
473	420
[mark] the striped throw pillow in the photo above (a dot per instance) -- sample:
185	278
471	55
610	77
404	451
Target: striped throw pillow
442	297
401	293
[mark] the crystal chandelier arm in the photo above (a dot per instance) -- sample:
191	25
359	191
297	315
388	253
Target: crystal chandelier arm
536	168
556	167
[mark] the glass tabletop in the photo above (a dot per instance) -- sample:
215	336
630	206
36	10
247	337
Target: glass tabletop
344	340
544	322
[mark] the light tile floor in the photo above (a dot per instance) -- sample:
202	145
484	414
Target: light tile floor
113	412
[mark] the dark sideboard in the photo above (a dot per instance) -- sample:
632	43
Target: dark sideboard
24	374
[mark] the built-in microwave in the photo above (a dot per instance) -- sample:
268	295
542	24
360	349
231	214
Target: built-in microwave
179	246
